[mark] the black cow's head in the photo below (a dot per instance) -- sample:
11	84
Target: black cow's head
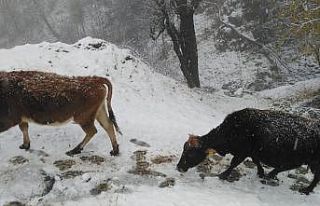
194	152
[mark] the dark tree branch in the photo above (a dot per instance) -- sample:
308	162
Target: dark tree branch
195	4
269	53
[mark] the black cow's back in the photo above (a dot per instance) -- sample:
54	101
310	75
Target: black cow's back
278	139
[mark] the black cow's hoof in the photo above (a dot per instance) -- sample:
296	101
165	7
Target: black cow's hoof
305	191
261	175
25	146
271	177
223	176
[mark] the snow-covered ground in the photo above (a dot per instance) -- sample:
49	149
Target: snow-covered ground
149	107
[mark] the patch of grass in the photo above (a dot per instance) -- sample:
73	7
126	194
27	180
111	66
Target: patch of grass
71	174
102	187
160	159
64	164
18	160
94	159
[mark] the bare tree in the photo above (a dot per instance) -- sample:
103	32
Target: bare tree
176	18
46	21
76	12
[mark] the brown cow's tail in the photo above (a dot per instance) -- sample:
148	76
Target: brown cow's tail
110	111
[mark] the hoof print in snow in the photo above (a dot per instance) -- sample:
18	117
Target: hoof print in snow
18	160
103	187
39	153
64	164
71	174
234	176
94	159
160	159
169	182
14	203
270	182
139	142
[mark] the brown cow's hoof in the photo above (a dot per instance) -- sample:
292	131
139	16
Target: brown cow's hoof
115	151
305	191
25	146
74	152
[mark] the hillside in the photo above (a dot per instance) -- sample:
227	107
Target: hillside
155	113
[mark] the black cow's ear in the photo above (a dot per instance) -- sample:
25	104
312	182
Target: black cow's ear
193	141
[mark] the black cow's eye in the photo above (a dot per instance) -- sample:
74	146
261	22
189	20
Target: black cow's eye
185	147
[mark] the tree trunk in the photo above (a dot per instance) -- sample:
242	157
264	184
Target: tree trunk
183	38
188	46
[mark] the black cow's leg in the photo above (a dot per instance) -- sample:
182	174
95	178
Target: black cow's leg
259	167
314	182
273	174
236	160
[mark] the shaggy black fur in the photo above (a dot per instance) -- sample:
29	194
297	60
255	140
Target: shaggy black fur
280	140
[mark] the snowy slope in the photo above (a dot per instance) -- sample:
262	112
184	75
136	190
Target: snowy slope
149	107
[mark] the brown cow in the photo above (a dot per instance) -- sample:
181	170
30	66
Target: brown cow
48	98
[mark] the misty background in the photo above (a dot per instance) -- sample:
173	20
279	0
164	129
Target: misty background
127	23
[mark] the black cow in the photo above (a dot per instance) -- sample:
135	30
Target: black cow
277	139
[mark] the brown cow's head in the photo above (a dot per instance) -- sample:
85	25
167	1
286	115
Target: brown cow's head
194	152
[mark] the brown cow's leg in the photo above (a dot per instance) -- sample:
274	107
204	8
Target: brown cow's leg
90	131
107	125
26	141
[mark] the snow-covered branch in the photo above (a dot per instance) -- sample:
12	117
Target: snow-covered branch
269	53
